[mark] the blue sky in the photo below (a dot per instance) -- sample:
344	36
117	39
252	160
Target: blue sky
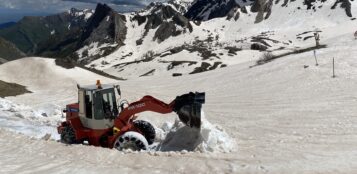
13	10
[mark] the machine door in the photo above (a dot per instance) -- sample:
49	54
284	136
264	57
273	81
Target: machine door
105	105
81	102
104	109
85	99
95	107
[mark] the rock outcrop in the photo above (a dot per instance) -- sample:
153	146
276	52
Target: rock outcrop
203	10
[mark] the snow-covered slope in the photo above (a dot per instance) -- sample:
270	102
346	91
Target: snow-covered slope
48	82
219	42
287	116
52	87
39	112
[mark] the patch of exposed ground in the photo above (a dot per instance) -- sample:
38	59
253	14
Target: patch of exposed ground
12	89
206	67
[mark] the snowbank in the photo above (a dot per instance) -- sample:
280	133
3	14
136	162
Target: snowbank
25	120
210	138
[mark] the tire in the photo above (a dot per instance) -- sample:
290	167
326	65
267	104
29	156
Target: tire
68	136
131	140
147	129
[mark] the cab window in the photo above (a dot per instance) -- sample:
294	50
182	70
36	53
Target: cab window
89	104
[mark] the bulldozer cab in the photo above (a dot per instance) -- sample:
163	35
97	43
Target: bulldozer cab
97	106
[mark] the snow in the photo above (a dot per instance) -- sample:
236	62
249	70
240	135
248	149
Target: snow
86	13
282	117
25	120
274	118
209	138
52	88
49	84
39	118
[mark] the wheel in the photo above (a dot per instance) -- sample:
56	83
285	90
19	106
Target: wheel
147	129
131	140
68	136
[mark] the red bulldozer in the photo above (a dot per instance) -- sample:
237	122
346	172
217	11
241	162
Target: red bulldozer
99	120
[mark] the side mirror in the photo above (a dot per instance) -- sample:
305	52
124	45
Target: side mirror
118	89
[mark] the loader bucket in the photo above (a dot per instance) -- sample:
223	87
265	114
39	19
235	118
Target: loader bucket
188	108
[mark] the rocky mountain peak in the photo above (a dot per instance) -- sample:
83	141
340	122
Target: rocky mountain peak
104	27
181	6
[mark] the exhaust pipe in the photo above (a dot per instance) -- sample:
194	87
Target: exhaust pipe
188	108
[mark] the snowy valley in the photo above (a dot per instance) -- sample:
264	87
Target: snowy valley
273	104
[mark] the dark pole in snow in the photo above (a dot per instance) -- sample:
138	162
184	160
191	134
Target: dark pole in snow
317	39
317	64
333	68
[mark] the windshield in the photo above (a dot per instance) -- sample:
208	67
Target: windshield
106	106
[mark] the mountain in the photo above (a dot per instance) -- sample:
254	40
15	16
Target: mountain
204	10
7	24
177	37
53	35
241	34
104	31
9	51
157	22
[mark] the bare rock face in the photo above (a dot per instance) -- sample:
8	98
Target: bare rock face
8	51
263	8
259	47
165	19
203	10
233	14
345	4
98	27
105	26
